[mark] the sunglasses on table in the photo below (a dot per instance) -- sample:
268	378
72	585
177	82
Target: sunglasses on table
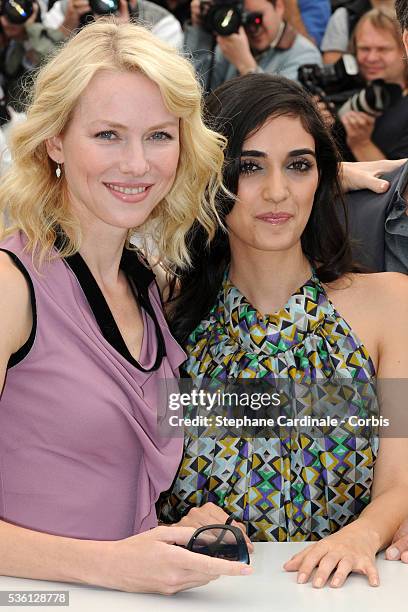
220	541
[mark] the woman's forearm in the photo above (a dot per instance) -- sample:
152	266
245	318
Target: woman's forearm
32	554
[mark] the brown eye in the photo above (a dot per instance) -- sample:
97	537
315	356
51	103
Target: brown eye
300	165
248	167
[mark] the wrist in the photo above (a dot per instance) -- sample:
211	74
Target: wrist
248	66
358	142
86	561
364	527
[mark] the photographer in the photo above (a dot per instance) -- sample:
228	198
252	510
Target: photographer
17	55
255	38
68	15
336	39
380	55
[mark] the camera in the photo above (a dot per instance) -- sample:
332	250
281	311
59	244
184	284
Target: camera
332	82
374	99
17	11
104	7
225	17
341	85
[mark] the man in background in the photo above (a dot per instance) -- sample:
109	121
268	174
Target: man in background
266	43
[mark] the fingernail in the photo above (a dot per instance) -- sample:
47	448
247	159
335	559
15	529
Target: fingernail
246	570
335	582
393	553
302	578
318	583
375	582
384	186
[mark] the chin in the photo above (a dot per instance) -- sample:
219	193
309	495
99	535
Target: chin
259	45
275	246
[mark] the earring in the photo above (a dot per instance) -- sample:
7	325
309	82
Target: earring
58	171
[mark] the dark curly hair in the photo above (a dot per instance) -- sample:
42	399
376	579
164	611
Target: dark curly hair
401	8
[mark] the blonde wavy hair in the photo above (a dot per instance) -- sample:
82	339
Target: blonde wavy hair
36	202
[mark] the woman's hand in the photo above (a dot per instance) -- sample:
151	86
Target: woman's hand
211	514
352	549
398	549
150	563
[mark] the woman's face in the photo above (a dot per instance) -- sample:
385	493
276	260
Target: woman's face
277	184
120	150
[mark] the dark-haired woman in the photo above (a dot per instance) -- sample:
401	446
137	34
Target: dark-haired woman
280	297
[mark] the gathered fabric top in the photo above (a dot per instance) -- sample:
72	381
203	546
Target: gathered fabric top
300	484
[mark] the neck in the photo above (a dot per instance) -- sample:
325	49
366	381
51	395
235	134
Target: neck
268	279
102	251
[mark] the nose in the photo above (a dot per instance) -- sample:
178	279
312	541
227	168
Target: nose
275	187
133	159
372	55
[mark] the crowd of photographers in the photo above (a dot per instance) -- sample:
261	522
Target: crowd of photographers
349	54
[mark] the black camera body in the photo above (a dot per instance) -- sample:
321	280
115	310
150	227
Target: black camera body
104	7
332	82
17	11
341	84
225	17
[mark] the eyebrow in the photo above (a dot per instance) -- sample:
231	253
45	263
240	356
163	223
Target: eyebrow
113	124
294	153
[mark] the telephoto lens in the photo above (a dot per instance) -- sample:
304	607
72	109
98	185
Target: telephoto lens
374	99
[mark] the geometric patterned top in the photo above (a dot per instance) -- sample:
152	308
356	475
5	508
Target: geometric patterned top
298	485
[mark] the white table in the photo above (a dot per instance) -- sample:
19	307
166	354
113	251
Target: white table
269	589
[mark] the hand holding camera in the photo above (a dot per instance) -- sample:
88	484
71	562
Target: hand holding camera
229	23
235	48
14	15
75	9
359	127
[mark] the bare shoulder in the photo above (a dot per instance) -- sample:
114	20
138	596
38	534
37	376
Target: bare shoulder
376	308
15	306
12	280
383	287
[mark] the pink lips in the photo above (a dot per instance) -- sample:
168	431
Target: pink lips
275	218
131	197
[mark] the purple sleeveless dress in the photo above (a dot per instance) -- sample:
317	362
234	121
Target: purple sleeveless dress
80	454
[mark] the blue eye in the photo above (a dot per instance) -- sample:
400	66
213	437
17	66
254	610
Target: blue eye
106	135
300	165
161	136
248	167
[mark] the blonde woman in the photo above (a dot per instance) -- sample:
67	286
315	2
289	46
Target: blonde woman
115	117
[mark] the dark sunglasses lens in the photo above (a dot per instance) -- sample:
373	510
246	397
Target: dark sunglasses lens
219	543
